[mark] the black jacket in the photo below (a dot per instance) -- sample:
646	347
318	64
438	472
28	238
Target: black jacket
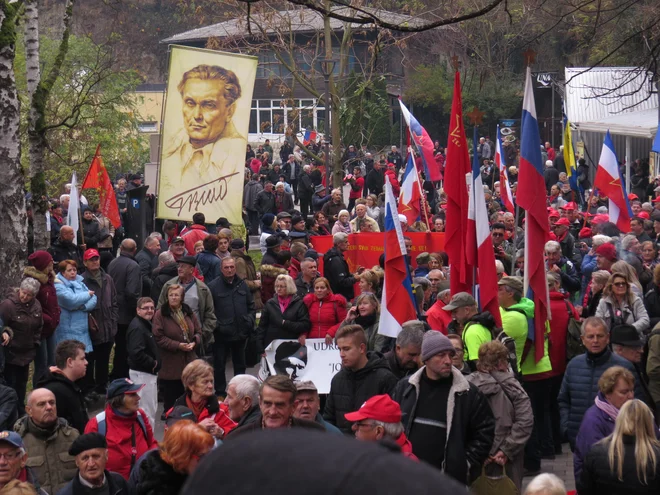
395	367
106	312
305	186
375	181
69	398
160	277
597	478
125	272
652	304
61	251
254	414
350	389
303	288
265	202
92	232
338	274
8	407
143	353
158	478
116	483
295	318
148	263
470	430
234	309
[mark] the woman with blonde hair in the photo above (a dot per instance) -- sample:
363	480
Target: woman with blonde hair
627	269
620	304
627	461
366	313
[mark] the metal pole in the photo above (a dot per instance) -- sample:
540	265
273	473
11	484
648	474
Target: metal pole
515	237
328	133
628	162
552	128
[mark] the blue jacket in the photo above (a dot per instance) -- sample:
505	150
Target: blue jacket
209	266
595	426
75	303
580	386
588	267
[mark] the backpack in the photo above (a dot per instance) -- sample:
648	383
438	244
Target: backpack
103	429
574	345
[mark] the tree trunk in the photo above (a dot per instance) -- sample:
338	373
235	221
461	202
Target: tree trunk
13	217
39	90
332	108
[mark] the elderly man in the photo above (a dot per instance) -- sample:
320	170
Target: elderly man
361	218
631	251
403	359
559	264
178	248
332	208
336	268
70	366
447	419
503	248
14	471
566	241
167	270
305	191
91	453
147	258
243	399
235	315
47	439
437	317
64	248
380	418
198	297
305	280
627	344
125	273
308	404
580	385
277	402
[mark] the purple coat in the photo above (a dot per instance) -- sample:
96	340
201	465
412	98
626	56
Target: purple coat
595	426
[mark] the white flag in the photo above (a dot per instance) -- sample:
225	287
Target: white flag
73	216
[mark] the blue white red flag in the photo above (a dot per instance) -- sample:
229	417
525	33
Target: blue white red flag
398	301
608	180
410	195
505	187
423	143
310	137
532	198
479	243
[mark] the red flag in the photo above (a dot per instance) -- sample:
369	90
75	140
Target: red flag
456	166
97	178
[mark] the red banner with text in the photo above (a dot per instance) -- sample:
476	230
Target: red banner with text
365	248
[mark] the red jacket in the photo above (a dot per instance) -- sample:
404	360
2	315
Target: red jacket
359	183
118	436
294	268
214	409
193	234
396	189
406	447
326	315
437	318
558	327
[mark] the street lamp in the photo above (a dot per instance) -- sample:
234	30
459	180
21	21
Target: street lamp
327	68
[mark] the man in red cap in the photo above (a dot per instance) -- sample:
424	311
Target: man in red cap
567	241
379	418
570	211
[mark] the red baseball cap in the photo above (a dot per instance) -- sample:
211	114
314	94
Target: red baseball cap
552	213
600	218
568	206
632	196
585	232
563	221
379	407
91	253
644	214
656	200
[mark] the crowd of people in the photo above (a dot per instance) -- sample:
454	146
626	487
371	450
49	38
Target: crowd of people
454	391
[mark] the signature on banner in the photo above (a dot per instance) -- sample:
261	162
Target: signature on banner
206	194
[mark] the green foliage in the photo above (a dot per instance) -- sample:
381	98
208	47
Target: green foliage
90	104
364	115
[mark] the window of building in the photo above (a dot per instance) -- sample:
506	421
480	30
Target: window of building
274	116
148	126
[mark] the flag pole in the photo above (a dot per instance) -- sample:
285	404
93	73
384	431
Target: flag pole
423	198
591	195
515	236
82	232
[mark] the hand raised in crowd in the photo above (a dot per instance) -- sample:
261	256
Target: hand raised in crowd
352	314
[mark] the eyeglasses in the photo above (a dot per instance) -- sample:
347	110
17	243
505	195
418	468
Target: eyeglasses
147	308
10	456
498	234
364	425
620	284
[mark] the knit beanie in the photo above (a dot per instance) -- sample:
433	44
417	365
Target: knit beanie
435	343
40	260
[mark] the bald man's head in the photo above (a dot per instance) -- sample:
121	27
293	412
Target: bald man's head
66	233
128	246
41	407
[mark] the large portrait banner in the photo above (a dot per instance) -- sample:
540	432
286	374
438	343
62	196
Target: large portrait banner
205	126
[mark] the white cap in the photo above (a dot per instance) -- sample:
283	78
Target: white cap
403	219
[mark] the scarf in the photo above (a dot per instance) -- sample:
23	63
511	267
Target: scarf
366	321
606	407
284	302
196	407
180	318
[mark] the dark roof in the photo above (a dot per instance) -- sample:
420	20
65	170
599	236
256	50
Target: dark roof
299	20
151	88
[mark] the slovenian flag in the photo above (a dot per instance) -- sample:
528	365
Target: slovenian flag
310	137
398	301
423	143
505	187
608	180
410	196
